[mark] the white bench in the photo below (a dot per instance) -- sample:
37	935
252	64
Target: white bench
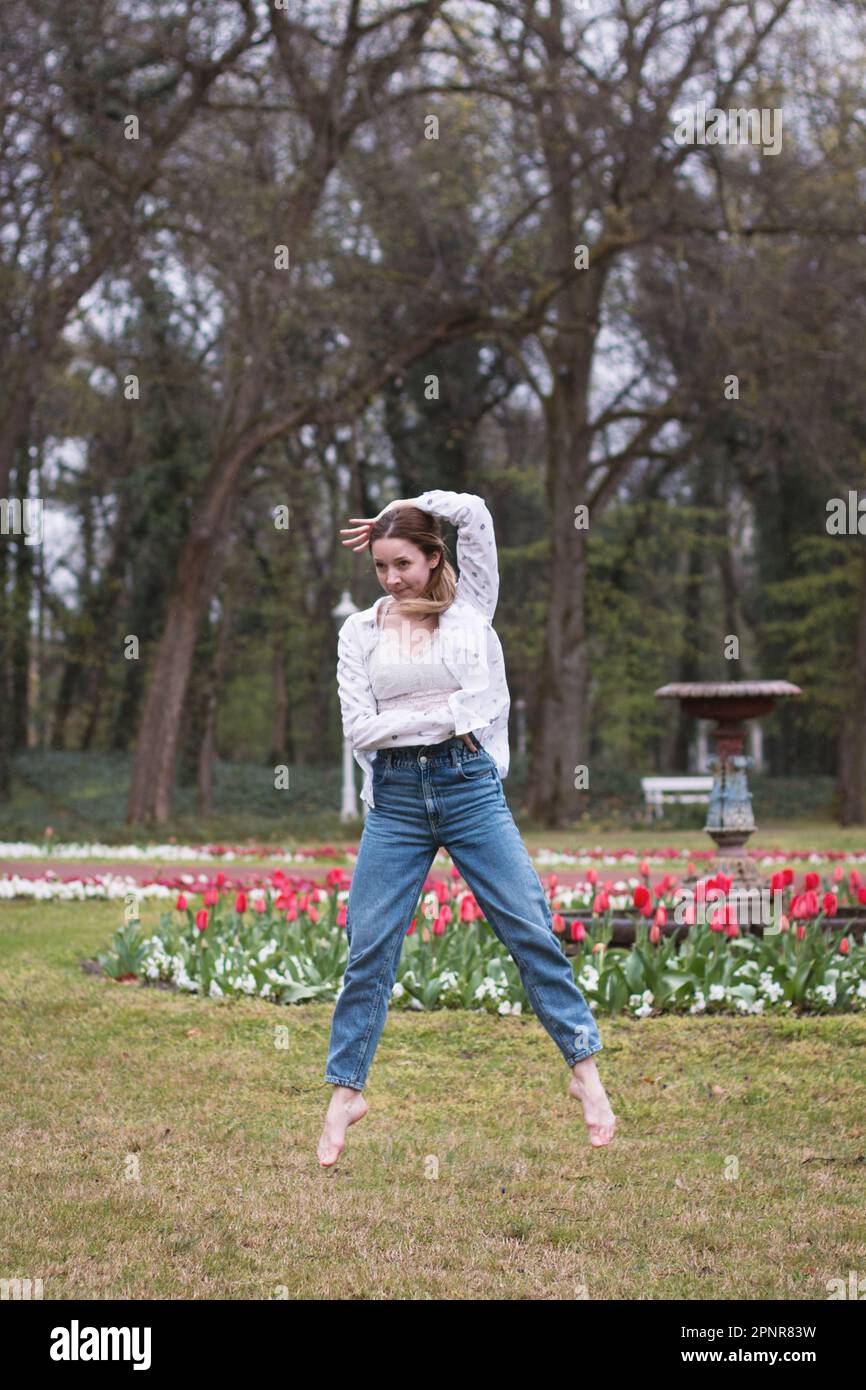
658	790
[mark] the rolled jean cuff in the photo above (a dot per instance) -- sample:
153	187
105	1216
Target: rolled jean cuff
340	1081
582	1056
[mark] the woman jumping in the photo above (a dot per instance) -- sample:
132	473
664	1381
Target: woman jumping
424	703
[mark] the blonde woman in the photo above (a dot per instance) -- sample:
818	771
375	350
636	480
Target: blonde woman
424	702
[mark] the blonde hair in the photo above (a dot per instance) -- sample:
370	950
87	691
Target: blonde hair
424	530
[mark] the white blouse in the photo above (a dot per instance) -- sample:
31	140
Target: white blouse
407	673
466	646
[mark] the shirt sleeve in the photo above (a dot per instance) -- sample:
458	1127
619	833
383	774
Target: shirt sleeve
362	724
478	581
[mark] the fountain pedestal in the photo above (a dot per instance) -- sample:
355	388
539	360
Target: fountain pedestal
730	820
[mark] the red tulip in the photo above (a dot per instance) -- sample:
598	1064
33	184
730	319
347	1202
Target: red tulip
661	915
801	931
341	915
788	875
641	896
717	920
601	902
838	873
181	903
201	918
411	926
732	929
553	880
578	931
592	875
220	878
829	902
210	897
558	923
784	924
861	896
655	934
644	868
812	880
843	946
241	902
260	904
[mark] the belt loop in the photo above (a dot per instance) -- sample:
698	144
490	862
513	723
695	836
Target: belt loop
454	755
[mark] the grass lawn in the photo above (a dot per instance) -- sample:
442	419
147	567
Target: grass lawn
160	1146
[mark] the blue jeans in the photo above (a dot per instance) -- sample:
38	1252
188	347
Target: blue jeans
427	796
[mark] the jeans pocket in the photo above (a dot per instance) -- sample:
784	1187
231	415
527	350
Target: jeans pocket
380	770
476	766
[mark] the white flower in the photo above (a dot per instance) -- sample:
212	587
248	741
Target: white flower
771	988
700	1003
398	991
215	991
717	992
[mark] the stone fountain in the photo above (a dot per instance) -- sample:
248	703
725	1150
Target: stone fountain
730	821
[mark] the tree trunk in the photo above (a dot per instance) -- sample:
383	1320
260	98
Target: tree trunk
559	743
157	741
5	694
851	784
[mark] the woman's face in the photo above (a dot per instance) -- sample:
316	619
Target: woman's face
401	568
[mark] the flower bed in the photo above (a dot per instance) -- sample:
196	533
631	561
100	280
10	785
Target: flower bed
583	856
291	947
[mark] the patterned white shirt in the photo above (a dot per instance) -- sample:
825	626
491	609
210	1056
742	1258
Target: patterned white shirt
468	644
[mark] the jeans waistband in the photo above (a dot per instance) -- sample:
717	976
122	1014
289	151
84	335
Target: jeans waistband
410	752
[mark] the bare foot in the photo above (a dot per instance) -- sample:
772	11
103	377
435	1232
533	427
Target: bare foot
345	1108
585	1085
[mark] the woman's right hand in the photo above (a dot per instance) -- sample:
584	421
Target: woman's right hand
359	534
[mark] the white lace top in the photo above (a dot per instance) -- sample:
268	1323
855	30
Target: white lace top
407	673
